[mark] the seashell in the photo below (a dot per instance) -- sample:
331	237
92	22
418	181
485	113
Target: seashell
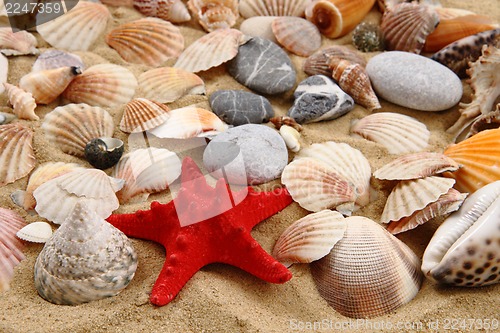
398	133
102	85
291	137
6	118
90	186
23	102
464	249
86	259
479	157
297	35
52	59
42	174
446	13
336	18
211	50
259	26
141	114
390	276
148	41
367	37
17	158
485	122
146	171
285	120
319	62
17	43
214	14
189	122
169	10
45	86
407	25
354	80
250	8
72	126
167	84
118	3
412	195
10	223
416	166
78	29
103	153
36	232
310	238
4	71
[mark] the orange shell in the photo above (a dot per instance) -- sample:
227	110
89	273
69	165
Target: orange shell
141	114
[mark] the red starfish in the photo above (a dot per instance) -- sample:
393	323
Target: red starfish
204	225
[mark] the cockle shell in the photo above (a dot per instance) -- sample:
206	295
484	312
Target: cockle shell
465	249
86	259
17	158
249	8
368	272
291	137
259	26
102	85
17	43
72	126
170	10
142	114
215	14
149	41
319	62
91	186
78	29
336	18
398	133
52	59
297	35
10	247
23	102
36	232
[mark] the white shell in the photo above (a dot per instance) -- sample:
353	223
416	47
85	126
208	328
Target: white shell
52	59
10	247
259	26
23	102
36	232
17	43
291	137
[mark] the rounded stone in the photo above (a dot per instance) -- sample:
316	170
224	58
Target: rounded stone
414	81
246	155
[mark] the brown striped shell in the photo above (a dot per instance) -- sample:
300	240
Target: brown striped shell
319	62
297	35
142	114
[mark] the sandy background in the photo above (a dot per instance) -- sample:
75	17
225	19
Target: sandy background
221	298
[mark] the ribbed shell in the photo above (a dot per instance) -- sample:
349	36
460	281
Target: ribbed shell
368	273
249	8
10	247
72	126
17	43
52	59
141	114
215	14
148	41
17	158
319	62
170	10
36	232
23	102
297	35
259	26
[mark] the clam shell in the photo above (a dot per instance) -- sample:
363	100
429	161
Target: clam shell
297	35
36	232
309	238
102	85
259	26
215	14
249	8
368	273
78	29
23	102
141	114
148	41
465	249
170	10
72	126
399	134
17	158
17	43
319	62
10	247
291	137
85	260
52	59
167	84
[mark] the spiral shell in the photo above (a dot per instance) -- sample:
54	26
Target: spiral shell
319	62
10	223
23	102
17	158
141	114
215	14
169	10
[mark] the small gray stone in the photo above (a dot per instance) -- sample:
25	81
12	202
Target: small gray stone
238	107
318	98
263	66
414	81
246	155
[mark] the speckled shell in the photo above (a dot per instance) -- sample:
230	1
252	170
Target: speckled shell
141	114
319	62
35	232
72	126
23	102
10	223
464	250
86	259
17	158
390	276
367	37
170	10
215	14
78	29
17	43
249	8
297	35
149	41
259	26
52	59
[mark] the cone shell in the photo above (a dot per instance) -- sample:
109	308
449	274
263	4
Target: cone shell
72	126
23	102
319	62
52	59
78	29
167	84
215	14
148	41
297	35
169	10
36	232
102	85
10	247
141	114
17	158
17	43
250	8
390	276
399	134
259	26
86	259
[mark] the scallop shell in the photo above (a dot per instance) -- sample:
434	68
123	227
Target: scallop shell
465	249
146	171
148	41
249	8
259	26
399	134
86	259
291	137
319	62
297	35
36	232
17	43
167	84
23	102
141	114
479	157
170	10
215	14
72	126
377	271
78	29
52	59
102	85
4	71
10	247
336	18
310	238
90	186
211	50
17	158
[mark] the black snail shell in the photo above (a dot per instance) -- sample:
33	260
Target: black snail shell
103	153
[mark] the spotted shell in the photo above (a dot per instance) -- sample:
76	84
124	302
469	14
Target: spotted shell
367	37
319	62
214	14
249	8
170	10
17	43
23	102
10	223
297	35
